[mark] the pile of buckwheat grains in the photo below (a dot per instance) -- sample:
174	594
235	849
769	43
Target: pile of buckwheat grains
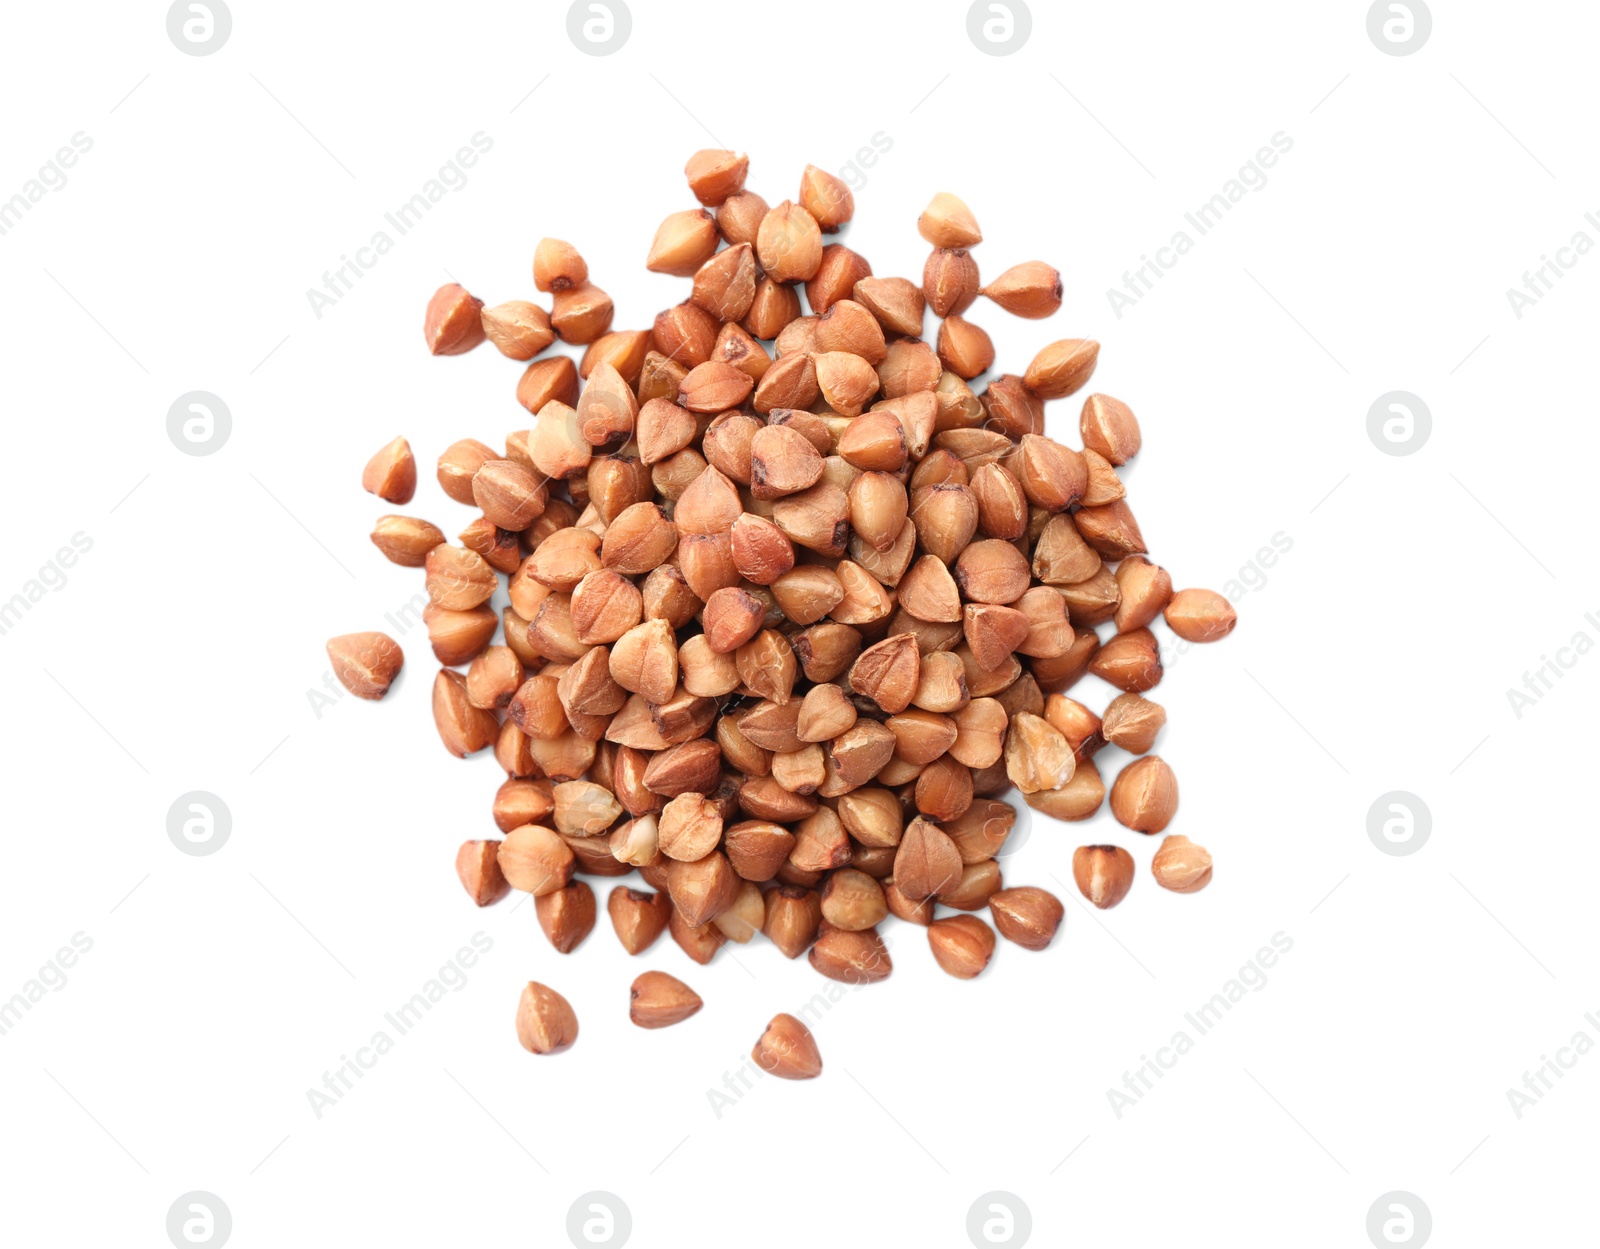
791	604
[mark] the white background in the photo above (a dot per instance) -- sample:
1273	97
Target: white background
1376	656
